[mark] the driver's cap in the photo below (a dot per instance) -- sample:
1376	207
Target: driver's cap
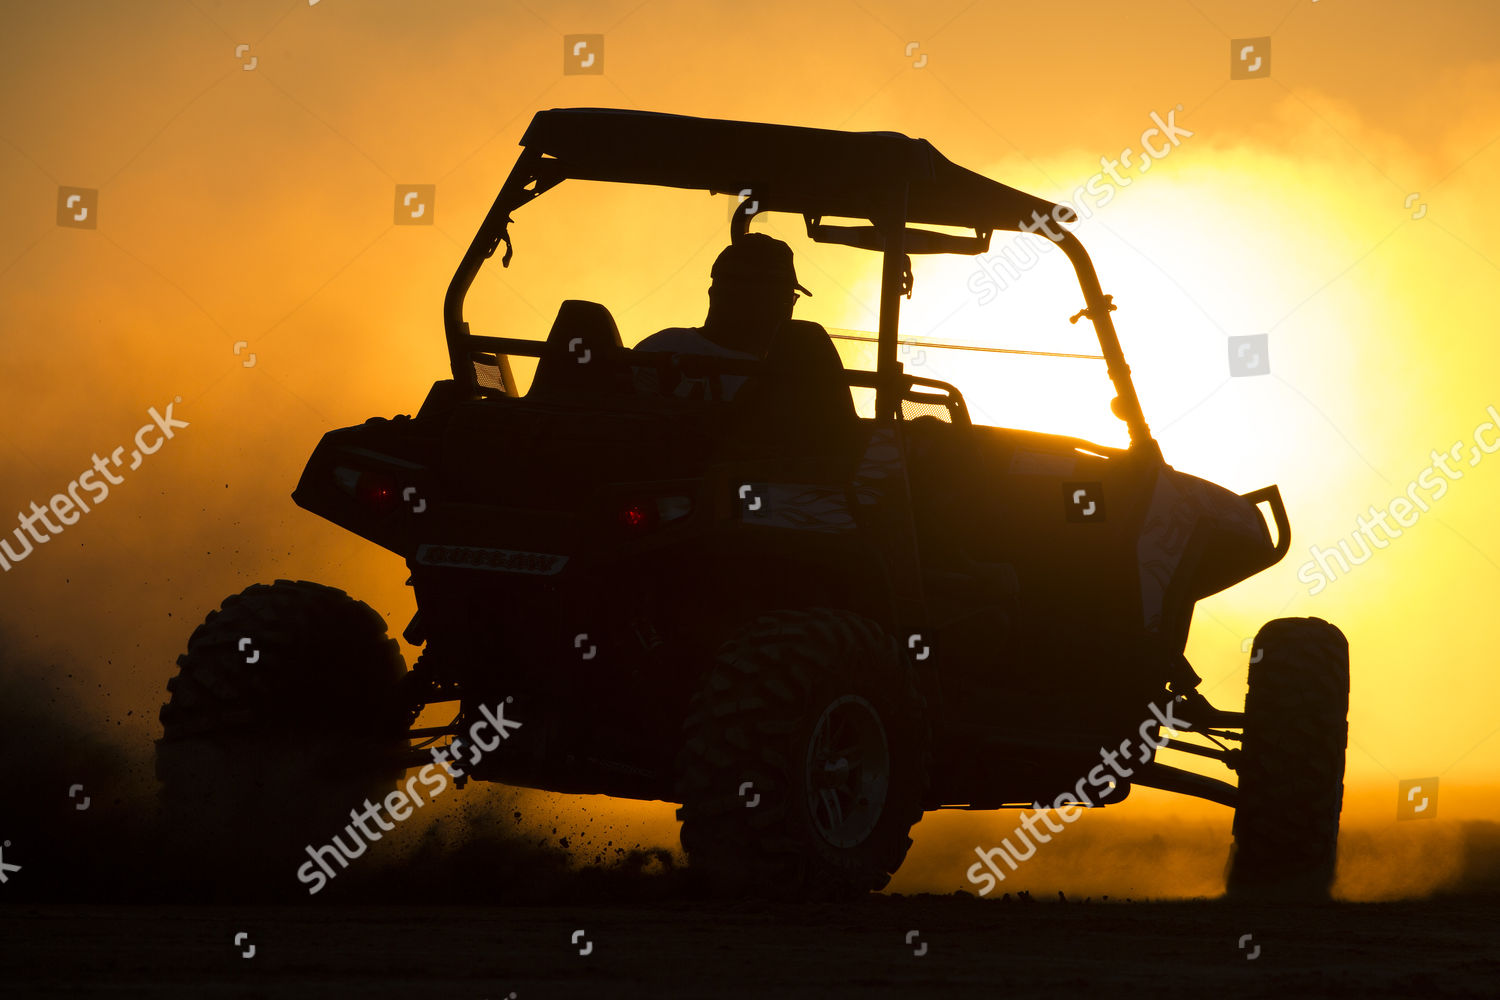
756	258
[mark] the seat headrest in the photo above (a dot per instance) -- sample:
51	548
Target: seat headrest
589	321
802	349
802	400
581	351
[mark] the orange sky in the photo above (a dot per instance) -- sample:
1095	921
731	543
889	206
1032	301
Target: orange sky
255	205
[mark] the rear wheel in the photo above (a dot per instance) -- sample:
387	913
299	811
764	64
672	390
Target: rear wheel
1291	771
805	758
285	714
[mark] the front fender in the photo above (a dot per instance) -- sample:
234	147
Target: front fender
1198	539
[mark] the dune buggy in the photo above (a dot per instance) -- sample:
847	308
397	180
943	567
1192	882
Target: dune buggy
804	624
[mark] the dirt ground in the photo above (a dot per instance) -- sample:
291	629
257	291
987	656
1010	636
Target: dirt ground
1444	947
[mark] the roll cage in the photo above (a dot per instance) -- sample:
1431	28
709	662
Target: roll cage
888	178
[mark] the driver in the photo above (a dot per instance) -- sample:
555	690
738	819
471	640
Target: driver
753	289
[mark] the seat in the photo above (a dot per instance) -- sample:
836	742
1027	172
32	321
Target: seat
582	355
801	403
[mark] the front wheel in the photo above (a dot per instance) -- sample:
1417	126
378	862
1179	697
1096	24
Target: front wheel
1291	771
805	757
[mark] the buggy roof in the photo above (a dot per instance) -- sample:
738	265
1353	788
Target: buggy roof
788	168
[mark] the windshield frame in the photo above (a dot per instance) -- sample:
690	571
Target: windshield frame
534	174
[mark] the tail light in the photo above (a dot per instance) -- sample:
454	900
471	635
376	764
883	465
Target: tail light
374	490
638	517
641	515
377	491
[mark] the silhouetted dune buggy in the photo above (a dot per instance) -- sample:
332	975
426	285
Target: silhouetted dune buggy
805	625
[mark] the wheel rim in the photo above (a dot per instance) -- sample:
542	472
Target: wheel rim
848	771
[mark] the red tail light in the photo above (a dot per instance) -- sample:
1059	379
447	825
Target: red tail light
377	491
638	516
